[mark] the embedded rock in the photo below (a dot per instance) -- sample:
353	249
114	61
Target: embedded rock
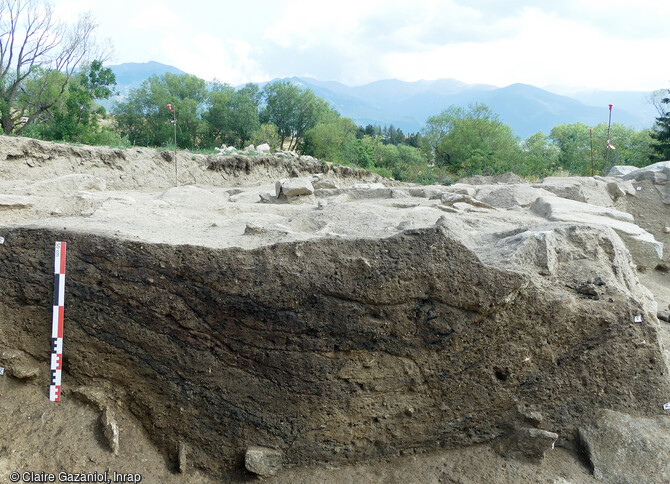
24	371
453	198
110	429
368	186
628	450
92	396
14	202
650	201
581	189
182	457
527	442
622	170
658	174
19	364
618	189
646	250
263	461
508	196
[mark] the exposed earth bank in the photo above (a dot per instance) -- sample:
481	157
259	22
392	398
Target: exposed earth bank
344	327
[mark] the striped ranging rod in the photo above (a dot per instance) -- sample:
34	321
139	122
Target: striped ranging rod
57	323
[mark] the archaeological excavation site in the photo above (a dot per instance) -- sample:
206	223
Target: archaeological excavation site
277	318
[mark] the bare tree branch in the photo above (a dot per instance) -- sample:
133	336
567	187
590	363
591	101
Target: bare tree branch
32	45
658	100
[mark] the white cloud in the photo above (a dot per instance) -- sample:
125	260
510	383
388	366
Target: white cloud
209	57
546	50
68	11
306	23
600	43
154	16
436	39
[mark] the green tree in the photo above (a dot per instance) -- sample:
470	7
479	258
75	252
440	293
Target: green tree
540	156
233	115
266	133
218	114
574	144
293	110
38	56
363	151
661	130
281	106
75	115
472	140
414	139
634	147
333	140
97	80
145	119
311	110
245	117
392	135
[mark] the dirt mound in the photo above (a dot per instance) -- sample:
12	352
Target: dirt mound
25	160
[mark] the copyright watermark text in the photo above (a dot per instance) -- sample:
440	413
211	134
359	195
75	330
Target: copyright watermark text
105	477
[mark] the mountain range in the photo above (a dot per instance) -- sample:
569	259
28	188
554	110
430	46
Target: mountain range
407	105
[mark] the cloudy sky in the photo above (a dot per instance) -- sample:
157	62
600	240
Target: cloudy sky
604	44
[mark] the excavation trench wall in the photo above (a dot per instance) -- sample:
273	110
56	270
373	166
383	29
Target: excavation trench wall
329	350
29	160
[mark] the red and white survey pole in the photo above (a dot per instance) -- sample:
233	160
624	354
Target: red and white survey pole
610	146
173	110
57	323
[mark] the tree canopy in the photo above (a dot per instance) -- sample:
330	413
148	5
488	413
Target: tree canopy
38	58
75	115
233	115
293	110
145	119
472	140
574	145
661	130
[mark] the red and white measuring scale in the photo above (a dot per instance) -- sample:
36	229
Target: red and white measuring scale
57	323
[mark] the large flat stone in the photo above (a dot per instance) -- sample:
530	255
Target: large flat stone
564	210
294	187
508	196
645	249
581	189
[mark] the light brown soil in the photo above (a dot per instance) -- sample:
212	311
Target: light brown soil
40	436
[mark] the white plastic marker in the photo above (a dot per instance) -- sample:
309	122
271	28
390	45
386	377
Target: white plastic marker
666	406
57	323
